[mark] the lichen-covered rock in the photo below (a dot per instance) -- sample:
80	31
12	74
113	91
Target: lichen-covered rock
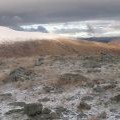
84	106
33	109
81	115
54	115
21	74
44	99
14	111
48	89
87	98
116	98
60	110
103	115
67	78
6	96
46	111
98	89
21	104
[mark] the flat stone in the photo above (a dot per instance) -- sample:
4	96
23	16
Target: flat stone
14	111
21	104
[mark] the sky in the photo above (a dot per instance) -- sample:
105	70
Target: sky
14	12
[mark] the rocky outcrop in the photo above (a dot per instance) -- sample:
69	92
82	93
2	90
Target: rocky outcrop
21	74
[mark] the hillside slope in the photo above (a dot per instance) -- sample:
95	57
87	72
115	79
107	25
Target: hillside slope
20	44
55	47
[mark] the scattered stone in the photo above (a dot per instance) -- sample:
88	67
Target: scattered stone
72	76
98	89
87	98
71	98
33	109
54	115
46	111
117	117
82	115
68	78
14	111
48	89
60	110
5	96
116	98
44	99
90	84
94	70
21	74
103	115
21	104
113	110
49	116
92	64
84	106
111	86
39	62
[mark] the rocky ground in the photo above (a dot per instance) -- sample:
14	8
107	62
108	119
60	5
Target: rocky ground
65	87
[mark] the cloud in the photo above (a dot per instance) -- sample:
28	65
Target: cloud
10	20
42	11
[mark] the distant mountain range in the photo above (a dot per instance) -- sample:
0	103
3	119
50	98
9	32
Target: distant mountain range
97	30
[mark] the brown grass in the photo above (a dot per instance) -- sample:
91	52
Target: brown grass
55	47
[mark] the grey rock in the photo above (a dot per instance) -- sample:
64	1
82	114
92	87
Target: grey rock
21	74
116	99
5	96
39	62
98	89
87	98
71	98
60	110
14	111
72	76
117	117
44	99
21	104
113	110
48	89
110	86
54	115
82	115
103	115
46	111
33	109
68	78
84	106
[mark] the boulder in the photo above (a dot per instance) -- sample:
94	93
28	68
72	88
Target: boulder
84	106
33	109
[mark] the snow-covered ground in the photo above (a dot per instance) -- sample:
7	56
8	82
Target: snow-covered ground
8	35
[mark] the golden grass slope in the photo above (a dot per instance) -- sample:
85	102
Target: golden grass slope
60	46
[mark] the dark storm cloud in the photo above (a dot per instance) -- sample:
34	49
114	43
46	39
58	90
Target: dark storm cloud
42	11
